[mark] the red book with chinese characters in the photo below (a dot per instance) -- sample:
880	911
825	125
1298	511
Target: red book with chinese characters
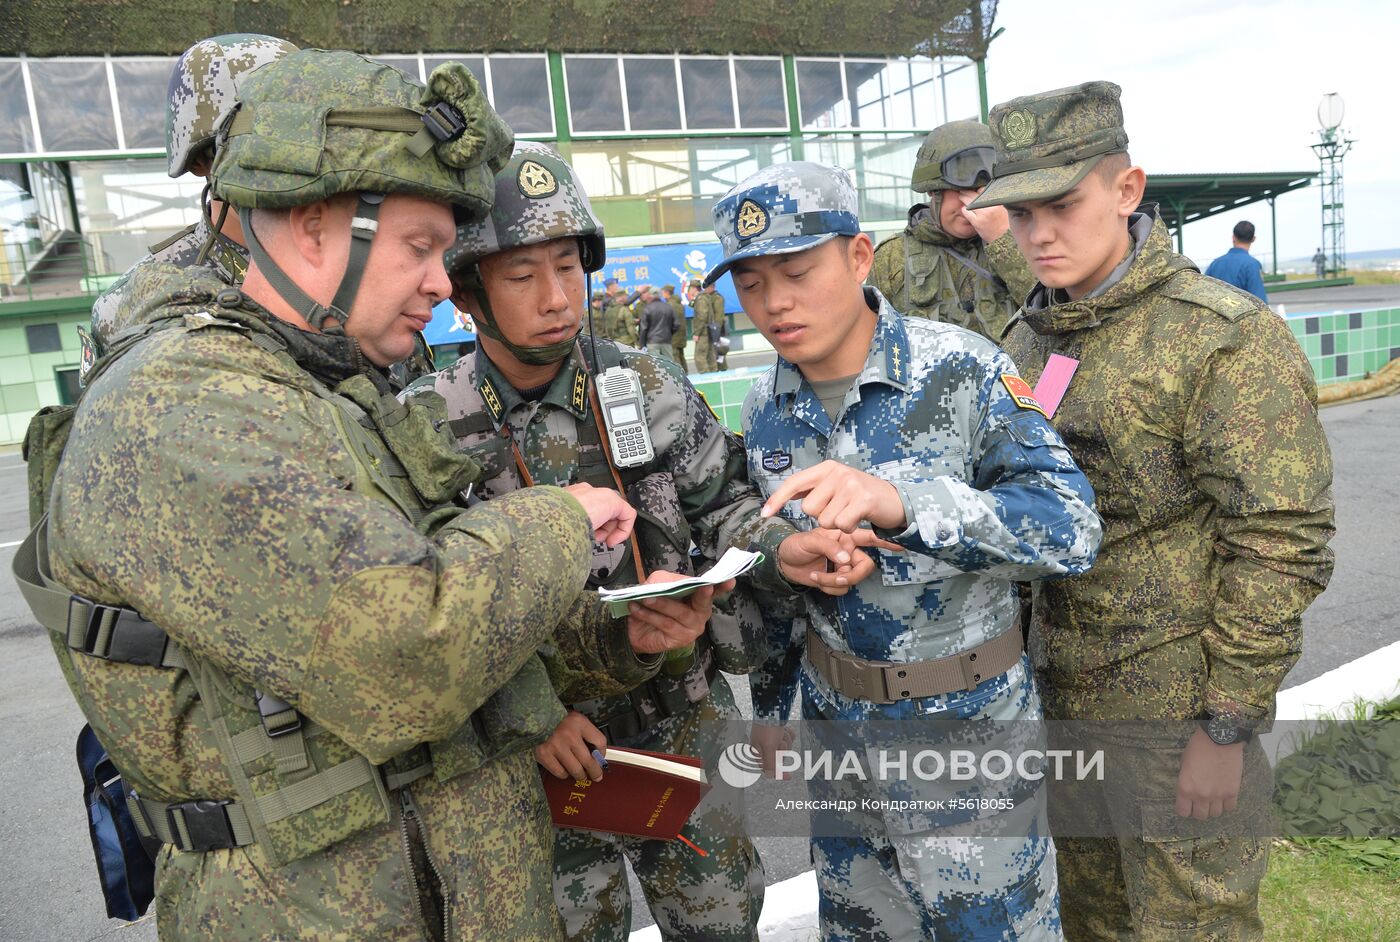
646	794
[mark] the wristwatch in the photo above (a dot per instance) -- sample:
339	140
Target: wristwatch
1225	729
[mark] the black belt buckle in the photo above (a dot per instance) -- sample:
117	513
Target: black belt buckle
206	824
268	707
132	639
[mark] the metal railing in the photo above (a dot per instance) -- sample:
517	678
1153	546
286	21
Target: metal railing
65	265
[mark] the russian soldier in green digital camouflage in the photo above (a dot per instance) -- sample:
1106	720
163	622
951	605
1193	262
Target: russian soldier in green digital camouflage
525	408
329	718
1193	412
709	326
951	264
203	90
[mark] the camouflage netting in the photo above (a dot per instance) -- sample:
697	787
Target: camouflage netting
167	27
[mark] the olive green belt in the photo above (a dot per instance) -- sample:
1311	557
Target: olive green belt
890	682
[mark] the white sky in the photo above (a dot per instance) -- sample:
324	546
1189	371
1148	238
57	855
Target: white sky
1230	86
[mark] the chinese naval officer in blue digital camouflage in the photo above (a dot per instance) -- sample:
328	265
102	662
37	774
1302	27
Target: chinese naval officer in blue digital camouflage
924	431
524	406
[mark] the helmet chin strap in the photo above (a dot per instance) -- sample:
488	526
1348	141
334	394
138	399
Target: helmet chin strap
486	324
327	319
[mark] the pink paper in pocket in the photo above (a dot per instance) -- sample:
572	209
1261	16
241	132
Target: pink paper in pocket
1054	380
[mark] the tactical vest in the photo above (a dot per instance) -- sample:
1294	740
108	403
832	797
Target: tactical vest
299	788
932	290
663	536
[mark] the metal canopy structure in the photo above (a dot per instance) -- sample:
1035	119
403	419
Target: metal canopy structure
1187	197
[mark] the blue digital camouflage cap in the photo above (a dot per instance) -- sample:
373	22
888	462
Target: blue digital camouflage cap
784	208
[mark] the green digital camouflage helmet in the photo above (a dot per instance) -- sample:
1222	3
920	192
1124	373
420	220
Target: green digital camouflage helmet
538	199
204	88
319	123
955	156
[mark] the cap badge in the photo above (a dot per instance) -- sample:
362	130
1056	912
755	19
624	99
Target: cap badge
535	181
751	220
1018	128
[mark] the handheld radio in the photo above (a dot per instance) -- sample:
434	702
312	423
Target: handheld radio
620	398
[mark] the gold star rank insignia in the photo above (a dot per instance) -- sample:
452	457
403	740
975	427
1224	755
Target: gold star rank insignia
578	396
535	180
491	398
751	220
896	367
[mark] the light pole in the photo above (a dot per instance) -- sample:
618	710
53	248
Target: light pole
1331	147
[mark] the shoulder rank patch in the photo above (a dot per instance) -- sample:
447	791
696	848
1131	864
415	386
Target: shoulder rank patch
751	220
706	401
578	394
88	356
1021	393
535	180
491	398
776	461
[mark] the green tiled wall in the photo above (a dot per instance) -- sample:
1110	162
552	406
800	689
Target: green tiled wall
27	380
1349	345
725	392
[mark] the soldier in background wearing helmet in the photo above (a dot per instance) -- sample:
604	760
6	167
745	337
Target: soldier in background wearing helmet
330	715
1193	412
709	326
525	408
203	90
950	263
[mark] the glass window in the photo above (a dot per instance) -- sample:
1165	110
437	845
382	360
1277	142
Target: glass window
652	99
520	92
595	93
125	205
758	84
68	387
819	94
476	64
142	97
74	104
709	101
43	338
408	65
16	131
866	84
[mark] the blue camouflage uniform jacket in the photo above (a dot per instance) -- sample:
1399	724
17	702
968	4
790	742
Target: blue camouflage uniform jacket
991	494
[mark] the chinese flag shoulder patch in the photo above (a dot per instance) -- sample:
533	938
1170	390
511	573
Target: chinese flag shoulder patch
1021	393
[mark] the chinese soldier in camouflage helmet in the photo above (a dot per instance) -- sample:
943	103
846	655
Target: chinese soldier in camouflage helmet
950	263
203	89
709	326
329	718
525	408
924	431
1193	411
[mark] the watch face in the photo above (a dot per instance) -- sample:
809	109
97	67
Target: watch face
1223	729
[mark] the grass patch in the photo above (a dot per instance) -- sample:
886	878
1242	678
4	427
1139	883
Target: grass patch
1320	892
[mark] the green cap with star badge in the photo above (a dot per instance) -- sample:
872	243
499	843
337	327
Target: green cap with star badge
1047	143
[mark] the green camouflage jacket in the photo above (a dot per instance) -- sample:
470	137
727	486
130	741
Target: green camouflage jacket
919	273
1193	412
287	522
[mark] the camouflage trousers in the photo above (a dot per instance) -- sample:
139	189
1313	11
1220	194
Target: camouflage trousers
665	352
1130	868
717	897
895	875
